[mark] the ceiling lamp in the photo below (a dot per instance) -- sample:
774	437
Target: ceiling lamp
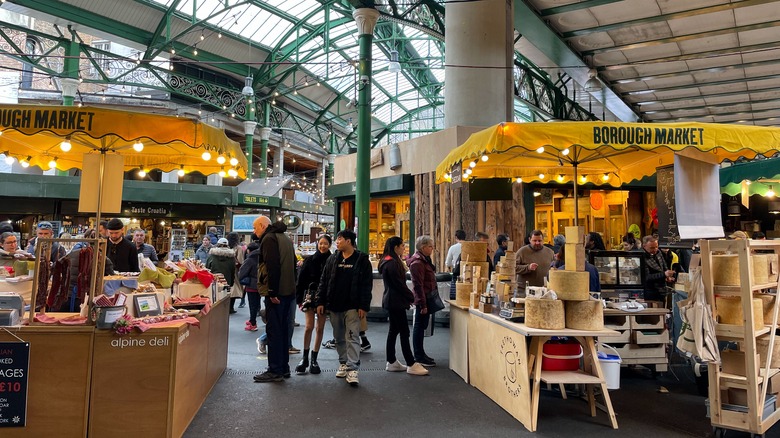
138	146
592	84
733	208
349	127
65	146
770	193
393	66
206	156
774	207
248	90
560	178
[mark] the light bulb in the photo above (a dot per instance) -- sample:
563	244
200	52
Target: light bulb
222	173
9	160
138	146
560	178
565	152
605	177
541	176
473	164
519	180
206	156
52	164
540	149
770	193
221	159
583	179
484	158
232	173
65	146
25	163
142	173
180	172
233	161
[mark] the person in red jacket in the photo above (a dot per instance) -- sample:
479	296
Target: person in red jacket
424	285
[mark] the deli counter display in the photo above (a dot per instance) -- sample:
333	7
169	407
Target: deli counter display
619	270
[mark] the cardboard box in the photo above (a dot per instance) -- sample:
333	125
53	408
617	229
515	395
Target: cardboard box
733	362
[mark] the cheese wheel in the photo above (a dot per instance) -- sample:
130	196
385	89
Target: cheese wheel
545	314
570	285
585	315
473	252
768	305
463	293
729	311
726	269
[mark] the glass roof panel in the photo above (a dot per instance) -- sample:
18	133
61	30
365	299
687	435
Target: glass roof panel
205	8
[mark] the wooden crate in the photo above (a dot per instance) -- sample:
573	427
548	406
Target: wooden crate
644	337
647	322
617	322
624	338
634	351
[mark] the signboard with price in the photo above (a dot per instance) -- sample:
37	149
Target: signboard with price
14	365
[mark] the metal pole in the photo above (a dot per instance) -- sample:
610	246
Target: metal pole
265	134
365	19
576	207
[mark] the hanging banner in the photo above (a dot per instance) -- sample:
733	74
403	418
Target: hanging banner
14	366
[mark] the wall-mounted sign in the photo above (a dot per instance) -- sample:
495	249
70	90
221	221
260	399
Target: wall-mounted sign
457	175
14	367
146	210
292	221
266	201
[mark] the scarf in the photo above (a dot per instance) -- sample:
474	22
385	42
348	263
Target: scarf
655	261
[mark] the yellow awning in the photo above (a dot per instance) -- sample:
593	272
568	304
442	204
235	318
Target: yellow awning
603	152
35	133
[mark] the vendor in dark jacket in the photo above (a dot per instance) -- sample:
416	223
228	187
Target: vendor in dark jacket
222	260
308	282
396	299
657	272
345	290
424	285
122	253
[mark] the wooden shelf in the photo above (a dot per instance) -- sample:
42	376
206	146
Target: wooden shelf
578	377
722	290
732	331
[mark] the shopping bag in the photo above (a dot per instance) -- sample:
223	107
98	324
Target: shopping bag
697	333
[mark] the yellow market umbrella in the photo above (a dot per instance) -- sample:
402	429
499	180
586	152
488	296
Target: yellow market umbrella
34	134
598	152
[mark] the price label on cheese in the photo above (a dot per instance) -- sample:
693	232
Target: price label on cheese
14	366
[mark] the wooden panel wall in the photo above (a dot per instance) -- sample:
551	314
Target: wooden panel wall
440	210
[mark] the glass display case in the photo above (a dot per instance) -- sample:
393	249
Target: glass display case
618	269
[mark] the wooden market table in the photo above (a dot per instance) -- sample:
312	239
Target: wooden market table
501	365
153	383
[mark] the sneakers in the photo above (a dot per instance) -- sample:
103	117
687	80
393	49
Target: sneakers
268	377
342	372
417	370
242	305
329	344
364	344
315	367
250	328
294	350
260	346
427	362
352	377
395	367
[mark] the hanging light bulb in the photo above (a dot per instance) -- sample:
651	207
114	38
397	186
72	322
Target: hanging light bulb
180	172
560	178
565	152
473	164
518	180
583	179
142	173
232	173
540	149
233	161
206	155
770	193
393	66
53	163
605	177
222	172
138	146
26	162
221	159
65	146
541	176
484	157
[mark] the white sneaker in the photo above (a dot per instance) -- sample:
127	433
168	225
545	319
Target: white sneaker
260	346
352	377
395	367
342	372
417	370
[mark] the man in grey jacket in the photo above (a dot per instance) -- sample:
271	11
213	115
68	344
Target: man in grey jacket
278	255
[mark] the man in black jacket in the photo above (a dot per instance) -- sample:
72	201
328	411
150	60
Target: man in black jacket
345	290
278	256
121	252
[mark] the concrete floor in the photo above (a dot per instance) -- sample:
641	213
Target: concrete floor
441	404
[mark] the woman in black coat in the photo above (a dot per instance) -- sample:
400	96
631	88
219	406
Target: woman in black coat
396	299
309	279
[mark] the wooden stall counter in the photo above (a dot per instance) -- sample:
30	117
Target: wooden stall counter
58	384
153	383
459	346
501	365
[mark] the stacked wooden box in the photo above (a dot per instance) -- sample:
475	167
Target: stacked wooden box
573	309
643	338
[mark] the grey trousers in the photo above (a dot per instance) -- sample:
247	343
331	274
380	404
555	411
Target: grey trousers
346	331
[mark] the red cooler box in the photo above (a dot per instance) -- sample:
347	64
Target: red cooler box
561	357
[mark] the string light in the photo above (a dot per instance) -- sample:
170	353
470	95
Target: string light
138	146
233	161
206	155
473	164
484	157
65	146
141	173
221	159
541	176
180	172
519	180
605	177
565	152
53	163
583	179
26	162
222	172
540	149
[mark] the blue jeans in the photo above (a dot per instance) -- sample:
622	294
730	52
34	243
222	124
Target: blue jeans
418	333
278	324
346	331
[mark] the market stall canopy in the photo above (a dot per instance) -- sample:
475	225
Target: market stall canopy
35	135
601	152
759	176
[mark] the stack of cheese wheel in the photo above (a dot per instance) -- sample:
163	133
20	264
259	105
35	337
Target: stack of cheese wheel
573	286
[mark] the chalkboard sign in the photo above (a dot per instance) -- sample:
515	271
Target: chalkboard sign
14	366
664	201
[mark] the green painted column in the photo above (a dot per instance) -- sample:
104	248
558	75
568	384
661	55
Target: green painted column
365	19
249	133
265	134
331	157
70	72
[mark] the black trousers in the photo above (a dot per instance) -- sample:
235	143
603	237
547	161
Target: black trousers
398	326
